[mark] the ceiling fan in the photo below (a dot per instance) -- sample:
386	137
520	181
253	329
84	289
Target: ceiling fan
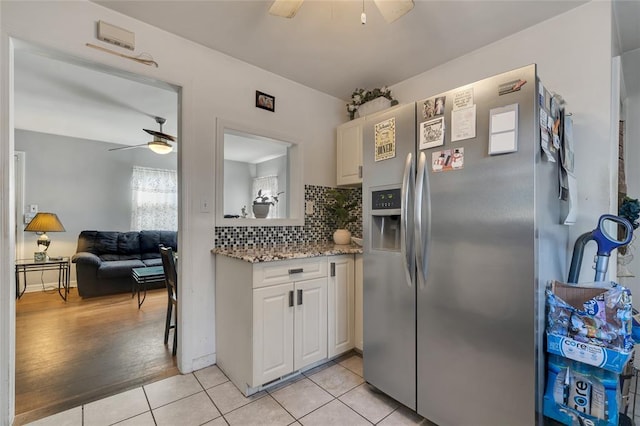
390	9
159	144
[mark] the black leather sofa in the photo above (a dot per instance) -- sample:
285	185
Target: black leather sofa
104	259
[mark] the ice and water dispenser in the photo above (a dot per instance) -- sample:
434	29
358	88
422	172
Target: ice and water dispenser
385	219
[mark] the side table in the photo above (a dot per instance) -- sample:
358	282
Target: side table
142	276
61	264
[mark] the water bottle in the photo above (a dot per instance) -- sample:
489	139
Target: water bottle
581	389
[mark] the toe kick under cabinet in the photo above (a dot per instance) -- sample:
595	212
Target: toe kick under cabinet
277	318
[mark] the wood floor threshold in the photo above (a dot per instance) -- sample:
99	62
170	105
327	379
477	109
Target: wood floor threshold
84	341
67	404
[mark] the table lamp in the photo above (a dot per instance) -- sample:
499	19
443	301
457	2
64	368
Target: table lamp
44	222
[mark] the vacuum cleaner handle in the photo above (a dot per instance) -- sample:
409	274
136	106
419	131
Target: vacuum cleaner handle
606	244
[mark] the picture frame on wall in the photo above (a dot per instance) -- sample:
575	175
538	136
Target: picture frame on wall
265	101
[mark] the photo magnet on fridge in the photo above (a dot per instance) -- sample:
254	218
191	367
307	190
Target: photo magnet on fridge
433	107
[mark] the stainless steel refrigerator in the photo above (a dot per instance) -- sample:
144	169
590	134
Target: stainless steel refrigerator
458	246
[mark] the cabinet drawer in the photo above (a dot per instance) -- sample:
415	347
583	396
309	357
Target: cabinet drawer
285	271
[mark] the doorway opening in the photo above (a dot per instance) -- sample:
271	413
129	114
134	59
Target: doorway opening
76	125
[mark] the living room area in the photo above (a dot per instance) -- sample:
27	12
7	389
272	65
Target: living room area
82	154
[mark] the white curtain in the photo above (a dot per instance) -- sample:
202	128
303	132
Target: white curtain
154	199
269	187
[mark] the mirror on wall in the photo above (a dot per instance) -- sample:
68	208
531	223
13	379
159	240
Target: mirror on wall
258	177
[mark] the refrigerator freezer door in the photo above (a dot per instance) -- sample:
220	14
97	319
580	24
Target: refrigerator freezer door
476	309
389	302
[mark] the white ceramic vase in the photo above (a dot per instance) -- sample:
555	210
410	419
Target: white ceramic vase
261	210
342	236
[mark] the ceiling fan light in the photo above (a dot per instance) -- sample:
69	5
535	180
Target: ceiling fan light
393	9
160	147
285	8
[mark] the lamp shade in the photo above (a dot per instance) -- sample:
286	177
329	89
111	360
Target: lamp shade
45	222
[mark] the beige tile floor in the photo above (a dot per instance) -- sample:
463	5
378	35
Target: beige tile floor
332	394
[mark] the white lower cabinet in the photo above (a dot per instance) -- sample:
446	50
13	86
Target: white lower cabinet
290	328
271	318
273	333
341	304
276	318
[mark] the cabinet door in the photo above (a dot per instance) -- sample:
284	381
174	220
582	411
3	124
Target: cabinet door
273	315
310	329
341	305
358	304
349	153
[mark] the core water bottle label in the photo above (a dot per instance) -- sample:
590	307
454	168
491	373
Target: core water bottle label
583	352
580	395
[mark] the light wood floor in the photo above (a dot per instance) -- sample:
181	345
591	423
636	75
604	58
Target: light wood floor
72	353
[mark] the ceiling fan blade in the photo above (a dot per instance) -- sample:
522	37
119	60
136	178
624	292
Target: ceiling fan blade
285	8
160	135
127	147
393	9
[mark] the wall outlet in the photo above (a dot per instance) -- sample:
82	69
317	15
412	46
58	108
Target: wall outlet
308	207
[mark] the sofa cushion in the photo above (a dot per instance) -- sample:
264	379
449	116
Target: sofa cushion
106	242
152	262
87	241
129	243
118	268
112	257
150	242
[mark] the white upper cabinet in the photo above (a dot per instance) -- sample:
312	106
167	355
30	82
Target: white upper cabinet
349	153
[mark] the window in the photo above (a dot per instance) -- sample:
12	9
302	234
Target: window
154	199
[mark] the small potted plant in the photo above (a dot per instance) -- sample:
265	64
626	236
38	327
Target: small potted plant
340	210
360	97
262	203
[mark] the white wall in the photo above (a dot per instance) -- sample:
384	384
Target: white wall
213	85
88	187
238	177
631	66
573	54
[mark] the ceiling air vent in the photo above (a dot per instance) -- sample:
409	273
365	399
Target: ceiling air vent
116	35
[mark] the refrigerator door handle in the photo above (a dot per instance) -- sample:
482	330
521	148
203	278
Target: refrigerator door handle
406	221
422	230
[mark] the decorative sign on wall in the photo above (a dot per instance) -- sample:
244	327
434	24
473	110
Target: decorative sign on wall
385	135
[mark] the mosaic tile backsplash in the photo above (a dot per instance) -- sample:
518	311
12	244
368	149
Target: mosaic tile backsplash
317	227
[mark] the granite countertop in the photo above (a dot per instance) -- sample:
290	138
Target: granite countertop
270	254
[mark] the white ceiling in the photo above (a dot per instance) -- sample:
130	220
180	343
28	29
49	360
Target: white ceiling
324	47
63	96
327	48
